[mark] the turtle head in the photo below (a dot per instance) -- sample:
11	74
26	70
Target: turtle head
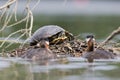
44	43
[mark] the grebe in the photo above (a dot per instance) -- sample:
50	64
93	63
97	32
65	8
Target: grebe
91	53
40	52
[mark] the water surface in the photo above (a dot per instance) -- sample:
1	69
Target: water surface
74	68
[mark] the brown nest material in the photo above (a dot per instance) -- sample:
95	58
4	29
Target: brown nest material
19	51
73	48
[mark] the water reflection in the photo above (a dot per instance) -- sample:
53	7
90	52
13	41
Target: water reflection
76	68
4	64
14	71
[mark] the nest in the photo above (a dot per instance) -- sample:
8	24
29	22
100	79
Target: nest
73	48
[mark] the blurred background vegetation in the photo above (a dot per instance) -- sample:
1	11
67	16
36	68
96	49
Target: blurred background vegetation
98	17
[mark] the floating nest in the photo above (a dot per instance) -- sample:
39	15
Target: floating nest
73	48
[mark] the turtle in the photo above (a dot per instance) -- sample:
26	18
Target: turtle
52	33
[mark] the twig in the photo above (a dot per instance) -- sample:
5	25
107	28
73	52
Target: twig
12	39
16	10
111	36
31	23
22	20
3	13
10	2
8	19
15	40
14	24
35	5
8	15
11	35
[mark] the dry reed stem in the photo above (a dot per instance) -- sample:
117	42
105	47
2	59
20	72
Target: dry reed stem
15	40
10	2
35	5
8	15
111	36
22	30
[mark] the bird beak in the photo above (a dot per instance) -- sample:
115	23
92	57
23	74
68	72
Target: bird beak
47	42
38	45
94	39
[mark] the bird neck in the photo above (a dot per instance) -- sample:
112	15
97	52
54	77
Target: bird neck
47	46
90	46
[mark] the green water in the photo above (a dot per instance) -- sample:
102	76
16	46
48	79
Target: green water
75	69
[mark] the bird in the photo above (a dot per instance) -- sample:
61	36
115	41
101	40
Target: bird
40	52
99	53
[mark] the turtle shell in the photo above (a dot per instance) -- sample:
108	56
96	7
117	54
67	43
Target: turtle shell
49	32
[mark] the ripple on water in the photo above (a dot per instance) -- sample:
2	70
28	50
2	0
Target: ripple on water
106	67
76	63
84	78
62	67
4	64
